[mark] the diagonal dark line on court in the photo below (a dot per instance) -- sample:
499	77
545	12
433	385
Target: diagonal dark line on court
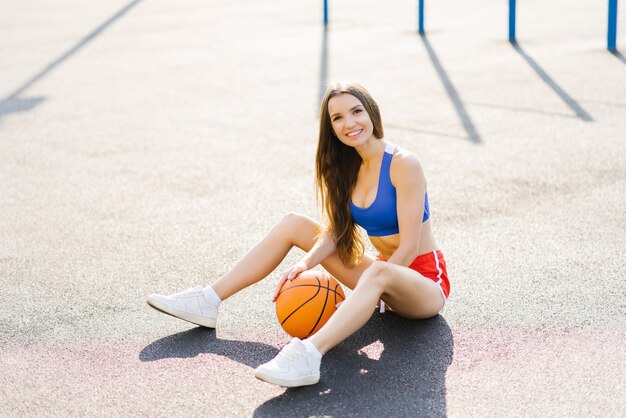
452	93
618	55
569	101
72	50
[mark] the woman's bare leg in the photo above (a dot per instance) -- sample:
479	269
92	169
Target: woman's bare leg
411	295
293	230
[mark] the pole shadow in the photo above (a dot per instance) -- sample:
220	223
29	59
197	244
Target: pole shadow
392	367
17	104
469	126
13	103
618	55
569	101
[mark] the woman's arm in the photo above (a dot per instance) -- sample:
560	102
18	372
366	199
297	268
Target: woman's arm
323	248
408	178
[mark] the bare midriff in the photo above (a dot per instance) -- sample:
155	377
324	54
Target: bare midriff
387	245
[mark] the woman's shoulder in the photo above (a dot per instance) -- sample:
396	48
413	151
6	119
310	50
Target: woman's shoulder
405	167
404	160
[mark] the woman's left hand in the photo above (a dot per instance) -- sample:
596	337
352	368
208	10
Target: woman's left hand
290	274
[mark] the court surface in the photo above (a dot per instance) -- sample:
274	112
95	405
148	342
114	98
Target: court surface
146	145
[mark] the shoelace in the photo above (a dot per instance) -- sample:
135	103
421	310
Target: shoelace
187	291
287	357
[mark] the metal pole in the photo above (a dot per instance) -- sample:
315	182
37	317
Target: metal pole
325	12
511	20
420	17
612	32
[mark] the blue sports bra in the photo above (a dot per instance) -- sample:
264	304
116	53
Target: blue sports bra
381	217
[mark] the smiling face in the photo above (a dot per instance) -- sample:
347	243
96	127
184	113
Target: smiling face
350	120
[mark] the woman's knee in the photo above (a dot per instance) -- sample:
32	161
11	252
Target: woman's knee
299	228
377	274
292	218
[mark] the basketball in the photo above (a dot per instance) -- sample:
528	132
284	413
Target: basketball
305	303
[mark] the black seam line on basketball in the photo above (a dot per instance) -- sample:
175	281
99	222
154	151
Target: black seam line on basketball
331	290
312	297
322	311
311	285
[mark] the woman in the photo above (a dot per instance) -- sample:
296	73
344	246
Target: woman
361	180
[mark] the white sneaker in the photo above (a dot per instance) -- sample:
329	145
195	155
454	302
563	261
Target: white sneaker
189	305
293	366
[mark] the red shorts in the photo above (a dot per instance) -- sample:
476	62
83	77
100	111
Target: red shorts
432	266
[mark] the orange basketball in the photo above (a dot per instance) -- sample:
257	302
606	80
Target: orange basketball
305	303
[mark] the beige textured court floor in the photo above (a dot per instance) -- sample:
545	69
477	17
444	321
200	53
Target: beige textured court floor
146	145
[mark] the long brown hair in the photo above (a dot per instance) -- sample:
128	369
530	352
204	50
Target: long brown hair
336	169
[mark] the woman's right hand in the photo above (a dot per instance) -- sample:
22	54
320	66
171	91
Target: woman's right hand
290	274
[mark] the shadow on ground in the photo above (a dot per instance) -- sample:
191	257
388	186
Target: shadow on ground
13	103
618	55
392	367
567	99
468	124
191	343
